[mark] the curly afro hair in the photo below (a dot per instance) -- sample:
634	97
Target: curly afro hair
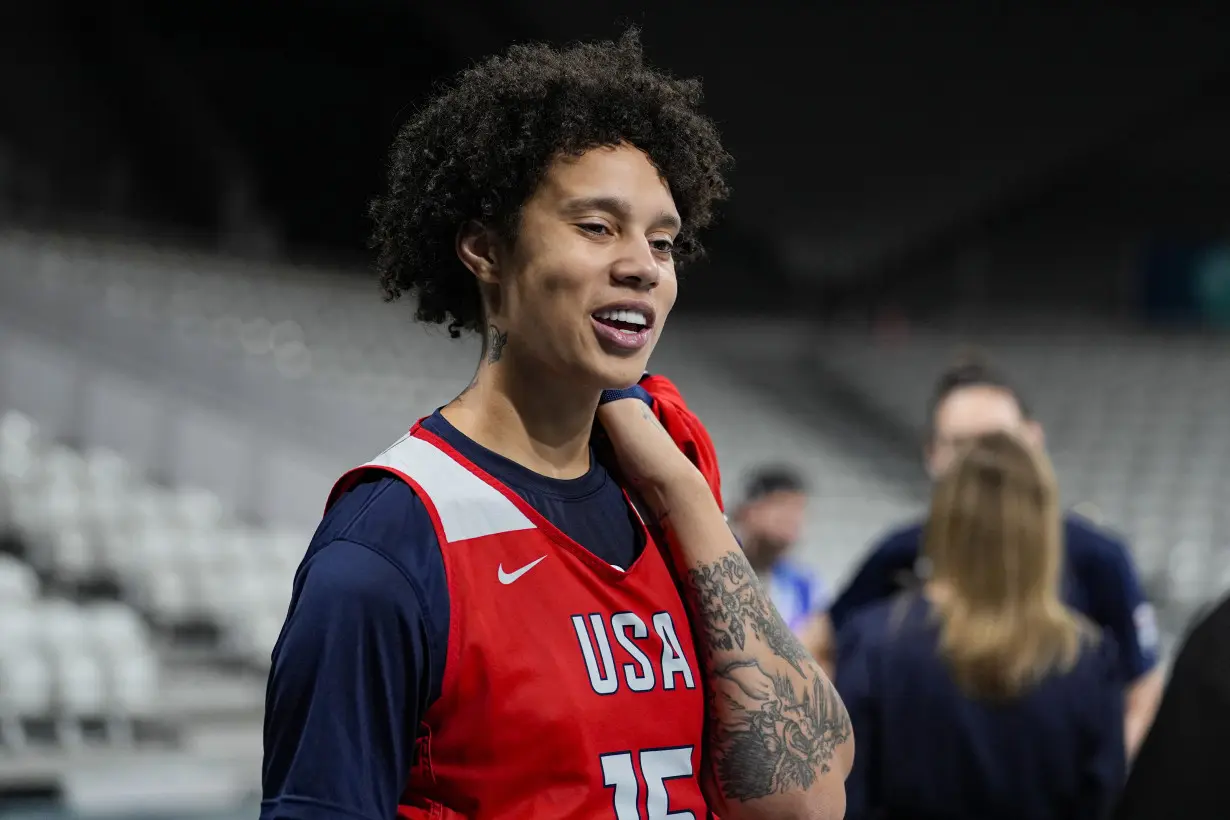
479	148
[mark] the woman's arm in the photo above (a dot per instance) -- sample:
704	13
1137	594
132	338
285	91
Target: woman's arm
342	699
358	661
779	739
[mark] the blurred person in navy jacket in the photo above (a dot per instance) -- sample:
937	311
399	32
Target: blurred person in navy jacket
980	694
1181	769
1099	578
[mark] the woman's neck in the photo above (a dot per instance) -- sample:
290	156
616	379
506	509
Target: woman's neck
527	418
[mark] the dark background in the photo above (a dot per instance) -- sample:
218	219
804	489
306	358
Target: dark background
891	157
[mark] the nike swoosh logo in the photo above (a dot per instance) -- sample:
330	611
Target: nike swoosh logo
509	577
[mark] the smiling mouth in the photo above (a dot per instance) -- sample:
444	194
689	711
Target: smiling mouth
623	331
628	321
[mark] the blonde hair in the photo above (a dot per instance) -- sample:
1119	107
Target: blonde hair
994	541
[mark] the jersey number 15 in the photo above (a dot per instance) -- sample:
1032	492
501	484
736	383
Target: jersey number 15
657	767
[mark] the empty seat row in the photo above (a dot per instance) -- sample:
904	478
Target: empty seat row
176	554
75	683
39	623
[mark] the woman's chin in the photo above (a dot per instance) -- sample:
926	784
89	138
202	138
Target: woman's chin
618	374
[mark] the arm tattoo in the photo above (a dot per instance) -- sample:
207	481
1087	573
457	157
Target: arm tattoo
495	343
775	740
774	730
648	414
731	601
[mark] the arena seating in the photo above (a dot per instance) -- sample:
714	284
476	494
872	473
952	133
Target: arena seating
103	570
305	323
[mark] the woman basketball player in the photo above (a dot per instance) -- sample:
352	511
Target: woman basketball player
483	626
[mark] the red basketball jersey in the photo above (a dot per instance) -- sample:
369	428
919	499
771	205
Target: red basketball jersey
571	688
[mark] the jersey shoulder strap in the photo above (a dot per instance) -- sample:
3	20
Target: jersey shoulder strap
464	503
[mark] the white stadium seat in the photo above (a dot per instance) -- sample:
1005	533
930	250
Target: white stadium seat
19	625
134	681
18	583
167	595
73	555
81	683
117	627
63	627
62	466
199	509
19	446
26	683
108	471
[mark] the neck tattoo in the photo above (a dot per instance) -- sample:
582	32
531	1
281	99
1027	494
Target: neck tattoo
495	343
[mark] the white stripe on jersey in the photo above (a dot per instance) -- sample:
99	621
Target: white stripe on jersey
468	506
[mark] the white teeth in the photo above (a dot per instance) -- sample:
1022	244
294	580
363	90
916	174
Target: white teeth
632	317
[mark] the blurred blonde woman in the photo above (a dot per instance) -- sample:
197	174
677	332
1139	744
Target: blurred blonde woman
981	695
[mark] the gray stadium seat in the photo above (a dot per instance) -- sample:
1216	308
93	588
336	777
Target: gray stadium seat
18	583
27	687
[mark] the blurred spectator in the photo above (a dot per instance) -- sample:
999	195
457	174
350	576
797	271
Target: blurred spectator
1099	577
1180	769
768	522
981	695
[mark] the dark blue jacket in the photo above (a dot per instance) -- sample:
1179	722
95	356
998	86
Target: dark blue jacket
926	751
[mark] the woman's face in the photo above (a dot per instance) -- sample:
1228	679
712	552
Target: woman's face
586	288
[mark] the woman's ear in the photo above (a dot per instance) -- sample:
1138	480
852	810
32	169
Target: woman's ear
477	249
